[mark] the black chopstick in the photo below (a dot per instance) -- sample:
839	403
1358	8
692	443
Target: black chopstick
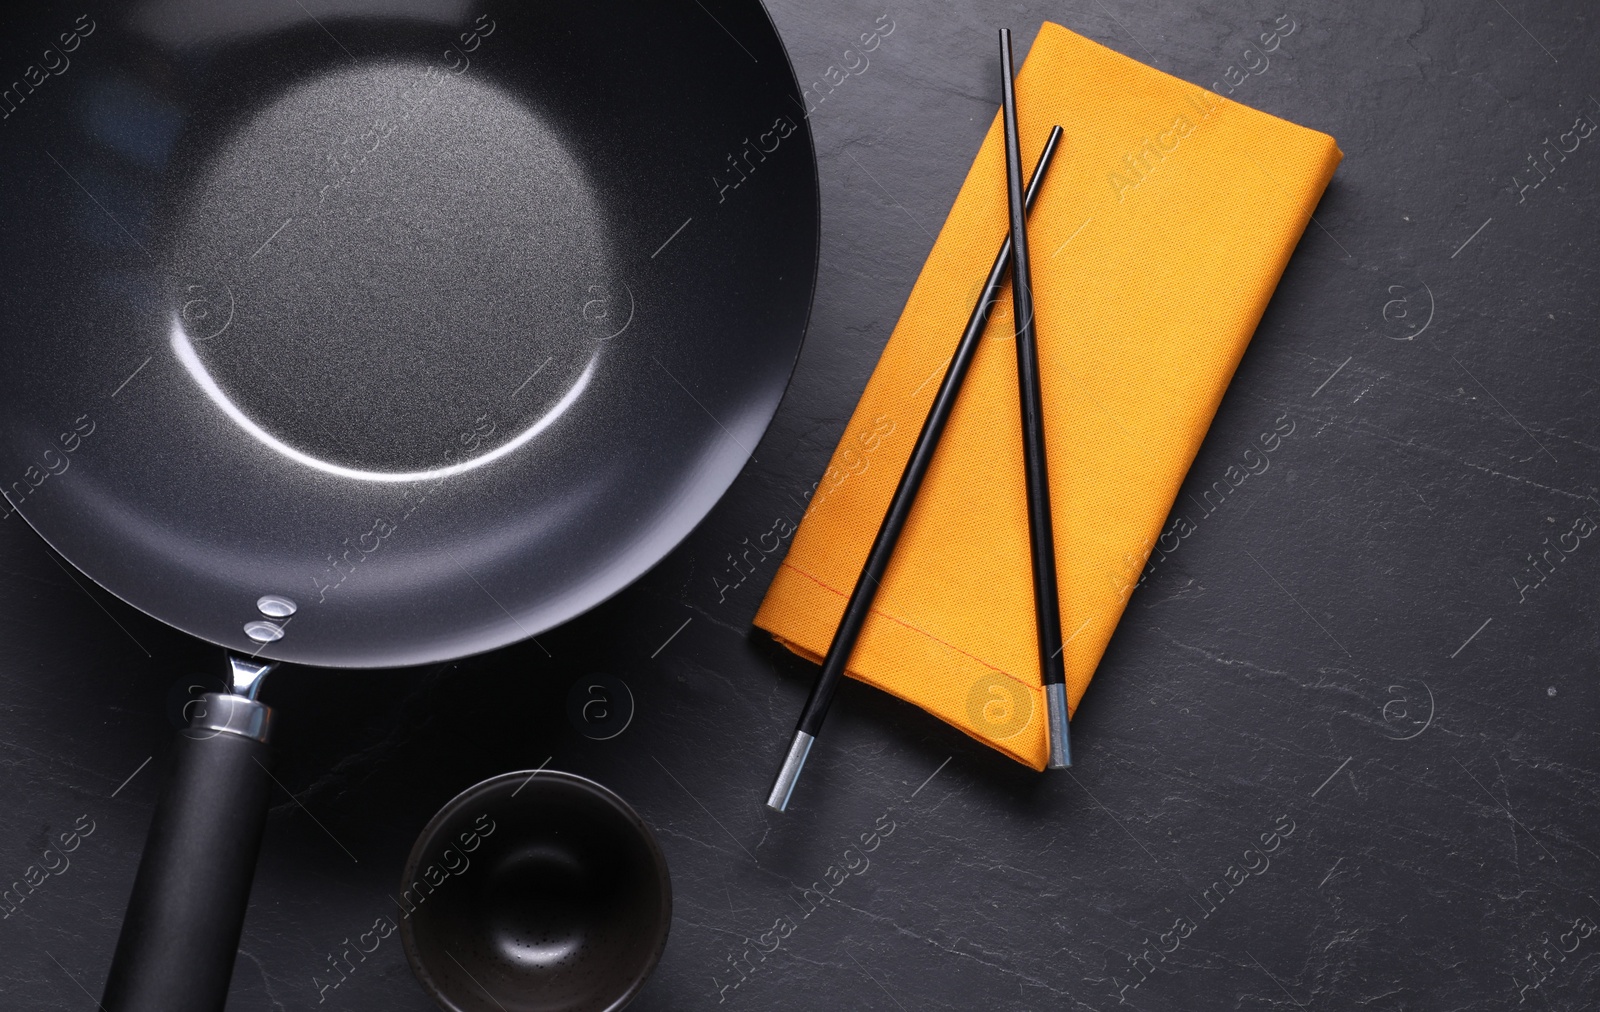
905	494
1041	535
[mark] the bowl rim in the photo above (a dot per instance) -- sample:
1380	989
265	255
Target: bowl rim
494	786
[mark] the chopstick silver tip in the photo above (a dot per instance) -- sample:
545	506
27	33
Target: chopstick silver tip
789	773
1055	705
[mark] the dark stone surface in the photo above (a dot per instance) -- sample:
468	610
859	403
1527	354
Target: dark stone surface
1342	649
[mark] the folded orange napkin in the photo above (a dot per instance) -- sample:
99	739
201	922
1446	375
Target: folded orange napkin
1160	234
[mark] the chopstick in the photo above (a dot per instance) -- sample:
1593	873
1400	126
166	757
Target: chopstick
1041	535
894	519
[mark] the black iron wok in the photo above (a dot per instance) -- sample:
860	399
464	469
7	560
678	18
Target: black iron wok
369	333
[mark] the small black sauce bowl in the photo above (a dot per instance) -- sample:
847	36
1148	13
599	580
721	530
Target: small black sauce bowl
535	892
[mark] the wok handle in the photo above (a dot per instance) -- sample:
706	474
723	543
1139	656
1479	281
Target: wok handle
182	927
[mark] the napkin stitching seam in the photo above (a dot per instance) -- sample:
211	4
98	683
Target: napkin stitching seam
877	611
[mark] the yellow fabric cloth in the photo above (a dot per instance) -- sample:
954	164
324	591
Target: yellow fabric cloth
1160	234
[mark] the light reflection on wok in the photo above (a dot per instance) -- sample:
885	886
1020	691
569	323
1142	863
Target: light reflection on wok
184	349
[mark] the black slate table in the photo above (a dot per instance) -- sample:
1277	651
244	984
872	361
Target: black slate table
1340	754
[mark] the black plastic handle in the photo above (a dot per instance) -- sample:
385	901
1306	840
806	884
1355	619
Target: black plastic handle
181	931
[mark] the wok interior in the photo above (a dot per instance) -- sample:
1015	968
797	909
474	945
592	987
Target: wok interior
444	252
